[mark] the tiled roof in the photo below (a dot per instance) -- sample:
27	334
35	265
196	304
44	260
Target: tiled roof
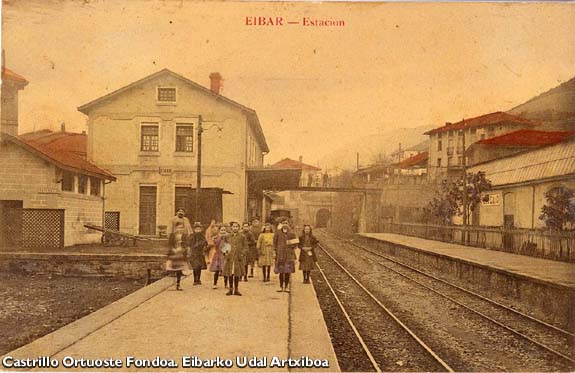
11	75
528	138
290	163
534	165
416	160
498	117
65	150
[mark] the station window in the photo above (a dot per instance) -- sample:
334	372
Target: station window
82	184
149	139
167	94
67	181
94	186
184	137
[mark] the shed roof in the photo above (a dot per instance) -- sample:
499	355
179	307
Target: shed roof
419	159
534	165
290	163
528	138
8	74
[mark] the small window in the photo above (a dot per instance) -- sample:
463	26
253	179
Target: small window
149	140
438	162
473	131
82	184
67	181
439	146
482	136
184	138
94	186
167	94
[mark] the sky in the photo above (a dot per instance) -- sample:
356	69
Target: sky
315	89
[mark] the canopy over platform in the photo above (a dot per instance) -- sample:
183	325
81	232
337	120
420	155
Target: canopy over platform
273	179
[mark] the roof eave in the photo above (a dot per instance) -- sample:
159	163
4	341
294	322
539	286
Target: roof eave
31	149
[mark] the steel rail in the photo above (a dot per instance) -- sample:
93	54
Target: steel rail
395	318
348	318
519	313
518	333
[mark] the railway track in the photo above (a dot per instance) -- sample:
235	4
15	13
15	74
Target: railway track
388	343
544	336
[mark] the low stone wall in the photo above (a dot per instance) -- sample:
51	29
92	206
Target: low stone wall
545	300
112	265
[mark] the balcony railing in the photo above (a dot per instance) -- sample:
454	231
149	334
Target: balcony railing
532	242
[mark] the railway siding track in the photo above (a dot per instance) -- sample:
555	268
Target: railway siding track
545	337
388	341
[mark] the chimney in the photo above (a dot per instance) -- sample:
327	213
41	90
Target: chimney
63	127
215	83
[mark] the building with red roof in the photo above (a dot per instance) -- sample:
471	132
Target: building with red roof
48	189
311	176
448	142
513	143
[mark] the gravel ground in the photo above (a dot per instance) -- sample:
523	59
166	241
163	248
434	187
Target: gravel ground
35	305
350	354
467	342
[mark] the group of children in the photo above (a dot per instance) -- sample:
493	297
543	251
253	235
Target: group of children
232	251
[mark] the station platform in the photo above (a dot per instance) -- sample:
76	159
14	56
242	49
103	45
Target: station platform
160	322
545	287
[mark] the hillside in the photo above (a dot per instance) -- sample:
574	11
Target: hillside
371	146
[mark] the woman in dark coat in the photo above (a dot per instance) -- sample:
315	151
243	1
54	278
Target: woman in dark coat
307	258
285	242
198	250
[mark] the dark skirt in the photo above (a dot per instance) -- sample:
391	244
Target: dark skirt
306	262
217	264
252	255
198	262
284	267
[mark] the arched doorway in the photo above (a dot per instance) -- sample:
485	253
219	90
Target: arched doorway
322	218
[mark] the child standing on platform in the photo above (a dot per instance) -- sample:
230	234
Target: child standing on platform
235	259
217	258
307	257
285	242
265	247
198	250
252	253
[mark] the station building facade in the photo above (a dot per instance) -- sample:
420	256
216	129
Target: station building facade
146	135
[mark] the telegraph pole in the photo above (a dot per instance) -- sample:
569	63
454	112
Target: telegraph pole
465	202
199	170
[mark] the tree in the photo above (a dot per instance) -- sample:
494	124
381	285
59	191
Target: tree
449	201
559	211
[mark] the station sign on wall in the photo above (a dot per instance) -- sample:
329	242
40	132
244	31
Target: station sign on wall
491	199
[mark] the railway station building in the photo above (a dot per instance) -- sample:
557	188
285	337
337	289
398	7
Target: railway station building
146	135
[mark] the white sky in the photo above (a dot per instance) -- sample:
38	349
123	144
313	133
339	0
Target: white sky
315	89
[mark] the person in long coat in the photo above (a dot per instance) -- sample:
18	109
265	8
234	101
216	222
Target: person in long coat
265	247
285	243
217	257
235	259
198	250
179	223
307	257
177	261
252	253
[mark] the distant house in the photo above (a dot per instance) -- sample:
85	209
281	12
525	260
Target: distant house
447	142
414	165
512	143
520	182
311	176
146	134
48	190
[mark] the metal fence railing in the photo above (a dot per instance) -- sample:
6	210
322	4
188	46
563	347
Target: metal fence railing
533	242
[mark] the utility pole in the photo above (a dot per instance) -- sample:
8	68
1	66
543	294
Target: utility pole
199	170
357	161
464	172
